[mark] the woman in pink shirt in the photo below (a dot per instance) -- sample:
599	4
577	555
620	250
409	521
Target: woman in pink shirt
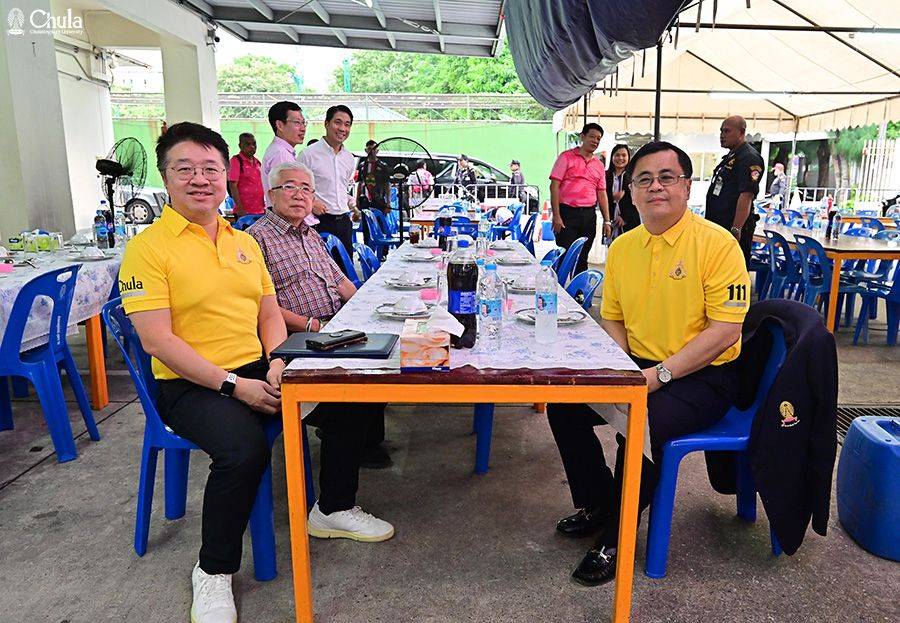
577	185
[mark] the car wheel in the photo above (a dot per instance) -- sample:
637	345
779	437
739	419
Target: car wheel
139	211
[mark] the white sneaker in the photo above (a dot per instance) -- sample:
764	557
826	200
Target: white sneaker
213	600
355	524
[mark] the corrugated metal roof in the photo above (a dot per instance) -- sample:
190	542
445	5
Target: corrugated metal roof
458	27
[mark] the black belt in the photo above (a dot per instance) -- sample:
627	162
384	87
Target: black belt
333	217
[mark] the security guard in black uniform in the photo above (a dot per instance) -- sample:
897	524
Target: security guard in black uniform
735	183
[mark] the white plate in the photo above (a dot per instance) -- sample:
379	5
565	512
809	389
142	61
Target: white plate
566	317
514	289
513	260
501	245
427	243
386	310
418	257
400	284
87	258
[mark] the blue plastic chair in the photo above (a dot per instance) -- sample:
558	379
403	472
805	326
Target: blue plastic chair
570	260
368	261
816	271
500	231
775	217
730	434
246	221
583	286
41	365
555	255
800	222
157	436
870	222
859	232
385	223
336	247
784	269
890	292
527	235
379	242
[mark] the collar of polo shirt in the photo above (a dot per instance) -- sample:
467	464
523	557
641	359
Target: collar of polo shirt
672	234
176	223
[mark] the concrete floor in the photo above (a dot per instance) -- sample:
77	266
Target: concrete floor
468	548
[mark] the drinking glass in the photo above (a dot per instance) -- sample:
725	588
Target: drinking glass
415	233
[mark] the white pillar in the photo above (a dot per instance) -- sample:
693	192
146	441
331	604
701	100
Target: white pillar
189	81
764	182
34	177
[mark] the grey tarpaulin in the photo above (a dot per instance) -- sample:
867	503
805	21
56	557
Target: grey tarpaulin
562	48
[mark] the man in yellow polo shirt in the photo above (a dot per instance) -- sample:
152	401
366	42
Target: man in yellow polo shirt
675	295
203	304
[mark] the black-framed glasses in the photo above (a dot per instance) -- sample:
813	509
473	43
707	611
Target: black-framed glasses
665	179
293	189
186	172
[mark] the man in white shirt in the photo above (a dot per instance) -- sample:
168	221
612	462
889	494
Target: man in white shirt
333	165
289	127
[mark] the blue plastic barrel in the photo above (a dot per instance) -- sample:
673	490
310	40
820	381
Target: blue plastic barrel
868	482
547	231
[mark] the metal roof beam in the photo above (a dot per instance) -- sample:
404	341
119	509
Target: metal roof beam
290	32
392	40
379	14
437	14
349	23
263	8
367	43
340	35
319	10
792	28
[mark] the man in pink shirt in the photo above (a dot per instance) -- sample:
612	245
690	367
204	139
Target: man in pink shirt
577	185
244	181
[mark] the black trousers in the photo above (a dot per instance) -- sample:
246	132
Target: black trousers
747	230
231	433
342	227
579	222
684	406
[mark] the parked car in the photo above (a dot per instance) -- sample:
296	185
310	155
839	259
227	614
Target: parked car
146	206
444	171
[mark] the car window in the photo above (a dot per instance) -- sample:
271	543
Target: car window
486	172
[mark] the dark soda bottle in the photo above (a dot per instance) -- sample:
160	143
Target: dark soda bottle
462	284
444	225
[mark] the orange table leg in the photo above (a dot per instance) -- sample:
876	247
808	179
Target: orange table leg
833	295
540	407
96	363
631	483
296	494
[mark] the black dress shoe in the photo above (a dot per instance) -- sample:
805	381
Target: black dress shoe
597	567
375	457
582	523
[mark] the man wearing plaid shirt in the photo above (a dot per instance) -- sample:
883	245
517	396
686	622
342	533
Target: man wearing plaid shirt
309	285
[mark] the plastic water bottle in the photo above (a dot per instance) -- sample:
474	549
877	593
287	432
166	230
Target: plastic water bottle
482	243
836	226
818	223
490	310
101	233
545	310
121	233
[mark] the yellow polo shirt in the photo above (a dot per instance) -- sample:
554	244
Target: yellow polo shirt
213	291
666	288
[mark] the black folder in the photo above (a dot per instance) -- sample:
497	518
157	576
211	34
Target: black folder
377	346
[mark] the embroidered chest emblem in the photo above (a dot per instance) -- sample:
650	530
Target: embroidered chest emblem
242	257
788	418
678	271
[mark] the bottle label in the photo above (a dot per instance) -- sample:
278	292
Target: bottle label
461	302
490	308
545	303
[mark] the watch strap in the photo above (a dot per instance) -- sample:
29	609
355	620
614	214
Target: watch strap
229	384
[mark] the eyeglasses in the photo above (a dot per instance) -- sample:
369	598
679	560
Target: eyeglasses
665	179
293	189
185	173
302	122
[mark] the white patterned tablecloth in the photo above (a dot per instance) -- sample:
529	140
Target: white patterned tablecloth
582	346
94	283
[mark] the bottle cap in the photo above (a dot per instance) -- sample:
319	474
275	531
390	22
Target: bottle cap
462	244
546	262
490	267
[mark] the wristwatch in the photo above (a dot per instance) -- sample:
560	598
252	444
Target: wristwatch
228	384
663	373
736	232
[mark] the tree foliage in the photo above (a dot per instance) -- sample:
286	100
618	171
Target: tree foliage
402	72
256	74
850	143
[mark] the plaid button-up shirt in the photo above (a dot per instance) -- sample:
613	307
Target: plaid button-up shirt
305	276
